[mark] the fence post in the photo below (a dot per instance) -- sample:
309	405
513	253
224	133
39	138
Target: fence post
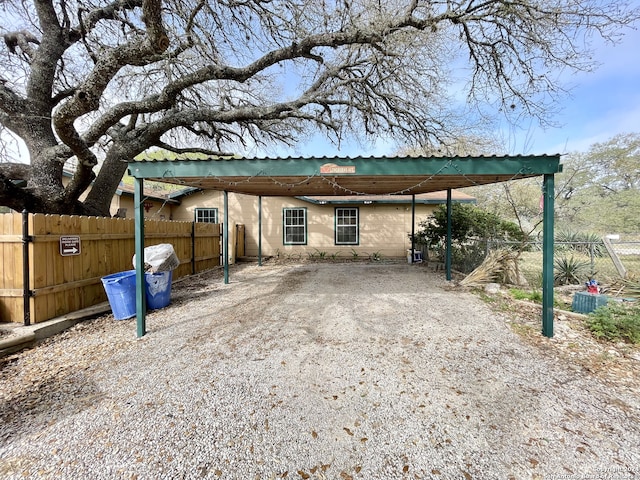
193	248
26	292
614	258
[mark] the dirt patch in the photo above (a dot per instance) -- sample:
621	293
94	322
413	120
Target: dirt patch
615	363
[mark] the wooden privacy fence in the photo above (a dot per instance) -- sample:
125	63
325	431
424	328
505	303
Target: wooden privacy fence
52	265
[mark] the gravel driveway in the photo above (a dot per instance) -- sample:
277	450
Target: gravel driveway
336	371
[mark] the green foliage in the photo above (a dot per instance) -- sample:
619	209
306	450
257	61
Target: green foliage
321	254
467	222
584	242
533	296
468	257
471	229
375	257
569	270
616	322
600	189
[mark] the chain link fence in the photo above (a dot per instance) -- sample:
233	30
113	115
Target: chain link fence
574	262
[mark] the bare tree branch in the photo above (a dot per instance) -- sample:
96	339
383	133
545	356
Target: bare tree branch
81	80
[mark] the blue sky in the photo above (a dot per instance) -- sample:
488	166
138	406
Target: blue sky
600	105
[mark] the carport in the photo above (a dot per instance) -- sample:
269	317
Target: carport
339	176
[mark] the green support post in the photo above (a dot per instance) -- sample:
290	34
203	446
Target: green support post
141	301
260	230
548	189
225	238
413	225
447	262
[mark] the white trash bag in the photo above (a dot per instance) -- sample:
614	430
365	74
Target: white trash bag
159	258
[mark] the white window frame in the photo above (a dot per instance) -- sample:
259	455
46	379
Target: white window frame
206	219
341	226
288	227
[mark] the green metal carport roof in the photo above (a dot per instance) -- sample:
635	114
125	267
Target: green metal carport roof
339	176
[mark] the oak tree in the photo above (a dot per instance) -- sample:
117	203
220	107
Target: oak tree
87	85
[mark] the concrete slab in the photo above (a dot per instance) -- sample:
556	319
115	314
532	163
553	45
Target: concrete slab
21	336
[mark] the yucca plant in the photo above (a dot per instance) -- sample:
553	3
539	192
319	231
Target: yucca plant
569	270
583	242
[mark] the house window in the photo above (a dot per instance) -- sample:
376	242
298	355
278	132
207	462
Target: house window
295	226
347	226
207	215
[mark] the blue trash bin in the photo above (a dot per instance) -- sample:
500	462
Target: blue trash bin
121	292
158	289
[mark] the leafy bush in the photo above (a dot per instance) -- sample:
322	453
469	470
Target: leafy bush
471	229
568	271
616	322
467	222
466	258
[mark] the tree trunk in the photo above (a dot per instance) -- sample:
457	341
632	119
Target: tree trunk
105	185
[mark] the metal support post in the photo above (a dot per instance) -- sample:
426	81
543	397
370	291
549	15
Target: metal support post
547	255
413	225
141	301
225	238
260	230
447	262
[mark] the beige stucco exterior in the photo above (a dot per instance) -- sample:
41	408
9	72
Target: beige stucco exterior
384	224
384	228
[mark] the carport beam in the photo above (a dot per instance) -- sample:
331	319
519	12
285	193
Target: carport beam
141	305
548	189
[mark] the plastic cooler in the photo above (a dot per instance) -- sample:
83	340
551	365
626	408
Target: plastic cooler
585	302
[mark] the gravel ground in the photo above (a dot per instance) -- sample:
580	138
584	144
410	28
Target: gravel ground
327	371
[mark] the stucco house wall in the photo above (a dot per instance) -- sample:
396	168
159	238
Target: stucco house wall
383	227
384	223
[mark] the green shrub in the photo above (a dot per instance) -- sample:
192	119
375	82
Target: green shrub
616	322
375	257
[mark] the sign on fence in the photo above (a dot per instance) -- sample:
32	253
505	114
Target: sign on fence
69	245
